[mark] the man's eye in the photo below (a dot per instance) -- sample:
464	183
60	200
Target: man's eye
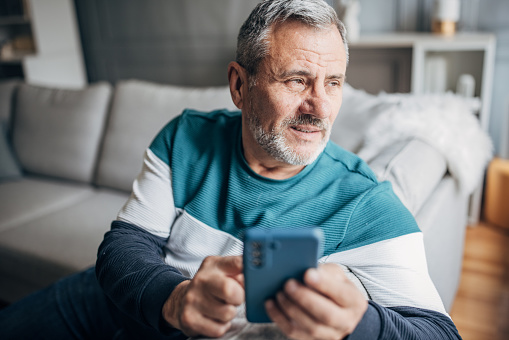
296	81
296	84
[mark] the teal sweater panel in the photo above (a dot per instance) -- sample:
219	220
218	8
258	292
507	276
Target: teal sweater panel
212	181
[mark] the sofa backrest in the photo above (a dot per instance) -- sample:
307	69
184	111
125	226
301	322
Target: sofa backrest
58	132
139	111
358	110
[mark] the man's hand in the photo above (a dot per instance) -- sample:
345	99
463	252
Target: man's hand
328	306
206	304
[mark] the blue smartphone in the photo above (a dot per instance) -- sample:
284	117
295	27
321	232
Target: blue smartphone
270	258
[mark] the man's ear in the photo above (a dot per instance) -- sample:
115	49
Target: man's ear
237	77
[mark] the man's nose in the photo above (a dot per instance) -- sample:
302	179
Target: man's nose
316	103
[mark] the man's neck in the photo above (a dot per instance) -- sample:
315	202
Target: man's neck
264	165
276	172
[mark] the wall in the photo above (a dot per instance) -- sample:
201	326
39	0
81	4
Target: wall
169	41
493	17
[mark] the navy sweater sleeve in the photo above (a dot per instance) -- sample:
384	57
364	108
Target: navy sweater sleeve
132	273
404	323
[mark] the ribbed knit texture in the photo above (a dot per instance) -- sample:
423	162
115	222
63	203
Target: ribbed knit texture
132	273
406	323
403	323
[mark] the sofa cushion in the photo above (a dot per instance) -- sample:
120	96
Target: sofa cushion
31	198
42	250
414	169
139	110
57	132
356	114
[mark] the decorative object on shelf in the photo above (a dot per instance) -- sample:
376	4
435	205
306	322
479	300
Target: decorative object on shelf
435	76
17	48
466	85
7	50
348	11
16	40
446	14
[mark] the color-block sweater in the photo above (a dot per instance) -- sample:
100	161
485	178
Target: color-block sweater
196	195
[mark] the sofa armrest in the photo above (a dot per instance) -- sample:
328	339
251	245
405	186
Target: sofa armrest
414	169
443	221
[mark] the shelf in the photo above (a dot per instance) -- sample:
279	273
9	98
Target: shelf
398	40
14	20
17	58
17	38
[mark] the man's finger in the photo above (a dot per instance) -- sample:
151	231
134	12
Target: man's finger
330	281
320	308
294	322
225	290
230	265
279	318
220	312
196	324
217	280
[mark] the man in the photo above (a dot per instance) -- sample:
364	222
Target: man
171	265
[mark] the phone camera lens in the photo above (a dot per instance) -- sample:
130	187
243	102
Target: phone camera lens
256	245
257	262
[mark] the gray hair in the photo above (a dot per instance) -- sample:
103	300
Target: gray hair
253	42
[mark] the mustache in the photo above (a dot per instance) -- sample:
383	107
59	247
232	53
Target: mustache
306	119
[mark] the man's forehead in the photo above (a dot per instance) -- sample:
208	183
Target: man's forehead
310	56
303	42
296	50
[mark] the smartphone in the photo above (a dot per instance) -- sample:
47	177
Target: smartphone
270	258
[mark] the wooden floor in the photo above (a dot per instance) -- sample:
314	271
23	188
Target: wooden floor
481	308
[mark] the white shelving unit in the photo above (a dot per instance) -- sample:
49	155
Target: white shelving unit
464	53
15	38
59	58
40	43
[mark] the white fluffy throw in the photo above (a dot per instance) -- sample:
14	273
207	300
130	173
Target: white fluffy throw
444	121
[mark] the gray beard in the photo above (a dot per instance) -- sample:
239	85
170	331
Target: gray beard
274	143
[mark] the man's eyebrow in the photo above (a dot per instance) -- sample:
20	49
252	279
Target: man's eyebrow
304	73
337	76
292	73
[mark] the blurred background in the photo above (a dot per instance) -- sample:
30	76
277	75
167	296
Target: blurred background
72	43
396	46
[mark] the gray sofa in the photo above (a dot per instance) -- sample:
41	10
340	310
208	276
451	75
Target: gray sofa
69	158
